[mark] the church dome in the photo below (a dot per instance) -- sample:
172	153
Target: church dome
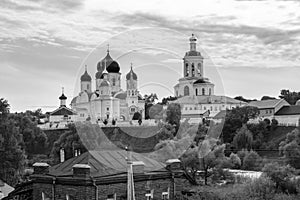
298	103
104	83
99	75
113	67
131	74
62	97
85	76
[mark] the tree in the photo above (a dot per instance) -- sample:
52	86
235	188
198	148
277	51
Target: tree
290	97
136	116
210	155
156	111
267	98
235	119
280	174
149	102
165	100
69	141
243	139
290	148
240	98
174	115
12	156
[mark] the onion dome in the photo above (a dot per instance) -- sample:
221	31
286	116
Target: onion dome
86	76
131	74
104	83
99	75
62	97
111	65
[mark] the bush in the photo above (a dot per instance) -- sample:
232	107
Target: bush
261	188
235	161
252	161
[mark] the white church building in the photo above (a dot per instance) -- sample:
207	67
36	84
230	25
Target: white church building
107	101
195	92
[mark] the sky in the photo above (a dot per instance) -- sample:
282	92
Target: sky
251	47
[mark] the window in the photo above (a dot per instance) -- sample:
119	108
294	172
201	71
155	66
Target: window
211	108
132	109
196	92
204	108
113	81
88	86
191	108
203	91
185	108
107	109
149	195
186	91
186	69
195	108
209	91
193	69
199	69
133	102
112	196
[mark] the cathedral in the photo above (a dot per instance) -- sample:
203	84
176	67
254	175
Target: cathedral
195	92
107	101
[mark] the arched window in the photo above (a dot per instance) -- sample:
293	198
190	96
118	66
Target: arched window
193	69
199	69
113	81
196	92
209	91
186	91
186	69
203	91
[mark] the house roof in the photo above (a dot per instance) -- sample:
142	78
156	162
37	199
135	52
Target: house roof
272	103
63	111
105	163
5	188
289	110
213	99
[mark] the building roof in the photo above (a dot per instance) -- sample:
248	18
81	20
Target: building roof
86	77
5	188
201	80
220	115
63	111
121	95
193	53
272	103
213	99
289	110
105	163
131	74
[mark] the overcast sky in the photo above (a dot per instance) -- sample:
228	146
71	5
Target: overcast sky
251	48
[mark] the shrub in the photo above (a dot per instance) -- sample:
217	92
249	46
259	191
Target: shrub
235	161
261	188
252	161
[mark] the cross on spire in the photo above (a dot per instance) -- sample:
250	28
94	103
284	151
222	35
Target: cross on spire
62	90
107	48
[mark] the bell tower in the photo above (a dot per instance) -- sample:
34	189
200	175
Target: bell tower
193	61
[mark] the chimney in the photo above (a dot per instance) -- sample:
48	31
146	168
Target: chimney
40	168
81	170
138	167
173	164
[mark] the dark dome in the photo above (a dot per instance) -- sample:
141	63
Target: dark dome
99	75
113	67
63	97
86	77
131	74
